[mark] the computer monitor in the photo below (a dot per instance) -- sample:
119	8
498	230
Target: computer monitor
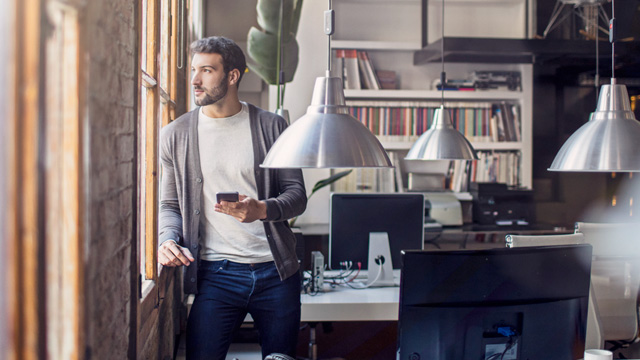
355	216
515	304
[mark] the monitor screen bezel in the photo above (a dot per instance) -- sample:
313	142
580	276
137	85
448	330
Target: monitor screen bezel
338	196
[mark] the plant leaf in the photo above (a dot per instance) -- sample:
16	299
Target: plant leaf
269	15
262	47
295	20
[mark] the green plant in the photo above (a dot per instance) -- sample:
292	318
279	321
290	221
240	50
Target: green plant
263	45
322	183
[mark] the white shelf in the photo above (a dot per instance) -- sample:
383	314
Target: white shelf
484	145
375	45
502	145
433	94
396	145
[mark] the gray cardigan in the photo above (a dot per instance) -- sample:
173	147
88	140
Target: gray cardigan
181	190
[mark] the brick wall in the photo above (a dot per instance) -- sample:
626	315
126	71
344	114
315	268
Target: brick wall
111	275
110	35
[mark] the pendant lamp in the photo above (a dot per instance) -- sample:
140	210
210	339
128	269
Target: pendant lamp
442	141
327	136
610	140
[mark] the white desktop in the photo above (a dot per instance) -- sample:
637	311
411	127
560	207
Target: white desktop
342	303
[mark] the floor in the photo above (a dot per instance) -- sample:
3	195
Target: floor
335	341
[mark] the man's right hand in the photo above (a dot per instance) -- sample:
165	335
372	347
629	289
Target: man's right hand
171	254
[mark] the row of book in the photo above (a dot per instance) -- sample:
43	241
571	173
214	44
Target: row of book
492	166
406	120
357	71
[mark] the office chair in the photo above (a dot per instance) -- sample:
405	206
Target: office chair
615	277
277	356
594	339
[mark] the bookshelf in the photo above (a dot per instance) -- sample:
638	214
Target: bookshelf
424	76
395	36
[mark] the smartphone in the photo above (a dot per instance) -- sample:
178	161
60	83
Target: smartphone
227	196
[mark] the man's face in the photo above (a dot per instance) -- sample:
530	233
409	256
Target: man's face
209	79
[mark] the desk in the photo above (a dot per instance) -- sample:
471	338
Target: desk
316	237
343	303
346	304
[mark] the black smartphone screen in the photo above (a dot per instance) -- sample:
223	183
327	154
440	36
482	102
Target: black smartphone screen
227	196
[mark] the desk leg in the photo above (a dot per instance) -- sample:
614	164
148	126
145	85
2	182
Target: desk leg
313	347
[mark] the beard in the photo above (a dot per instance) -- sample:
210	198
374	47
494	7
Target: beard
211	96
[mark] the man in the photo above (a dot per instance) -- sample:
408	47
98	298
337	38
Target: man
239	256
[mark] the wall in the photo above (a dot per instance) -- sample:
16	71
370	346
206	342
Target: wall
110	126
113	328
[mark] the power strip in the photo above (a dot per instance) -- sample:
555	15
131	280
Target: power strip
317	271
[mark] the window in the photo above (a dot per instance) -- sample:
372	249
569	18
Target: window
158	90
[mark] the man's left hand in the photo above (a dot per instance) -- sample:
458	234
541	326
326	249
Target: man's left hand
246	210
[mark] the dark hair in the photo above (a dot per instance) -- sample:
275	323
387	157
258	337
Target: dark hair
232	55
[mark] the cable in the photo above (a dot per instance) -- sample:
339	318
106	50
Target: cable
513	341
377	276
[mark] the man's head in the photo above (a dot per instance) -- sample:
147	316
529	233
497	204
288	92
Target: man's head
232	55
217	63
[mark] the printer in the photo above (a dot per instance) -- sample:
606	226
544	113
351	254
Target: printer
443	207
497	204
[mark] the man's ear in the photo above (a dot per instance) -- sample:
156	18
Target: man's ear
234	76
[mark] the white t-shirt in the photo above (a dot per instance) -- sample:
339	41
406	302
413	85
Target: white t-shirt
226	159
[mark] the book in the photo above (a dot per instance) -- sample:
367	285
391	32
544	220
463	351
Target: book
515	110
500	125
370	74
367	82
338	65
352	72
387	79
507	117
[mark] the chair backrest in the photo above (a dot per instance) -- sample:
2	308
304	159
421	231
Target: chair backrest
615	276
594	338
543	240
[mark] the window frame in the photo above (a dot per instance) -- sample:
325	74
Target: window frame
159	110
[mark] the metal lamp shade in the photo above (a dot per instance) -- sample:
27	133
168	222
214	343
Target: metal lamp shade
442	141
608	142
327	136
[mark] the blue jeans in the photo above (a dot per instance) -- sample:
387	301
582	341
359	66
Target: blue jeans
227	291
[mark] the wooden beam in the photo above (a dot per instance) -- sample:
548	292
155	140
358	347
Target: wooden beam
26	322
72	271
63	188
173	57
151	144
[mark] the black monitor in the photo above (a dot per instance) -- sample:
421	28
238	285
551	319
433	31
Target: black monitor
516	304
355	216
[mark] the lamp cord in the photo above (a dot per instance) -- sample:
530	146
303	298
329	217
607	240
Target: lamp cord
612	36
329	47
443	76
280	55
597	78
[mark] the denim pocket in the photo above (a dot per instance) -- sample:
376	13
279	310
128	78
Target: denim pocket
211	267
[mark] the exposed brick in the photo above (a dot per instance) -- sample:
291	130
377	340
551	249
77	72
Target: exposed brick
125	143
110	30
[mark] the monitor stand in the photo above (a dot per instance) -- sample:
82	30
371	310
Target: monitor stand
379	251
